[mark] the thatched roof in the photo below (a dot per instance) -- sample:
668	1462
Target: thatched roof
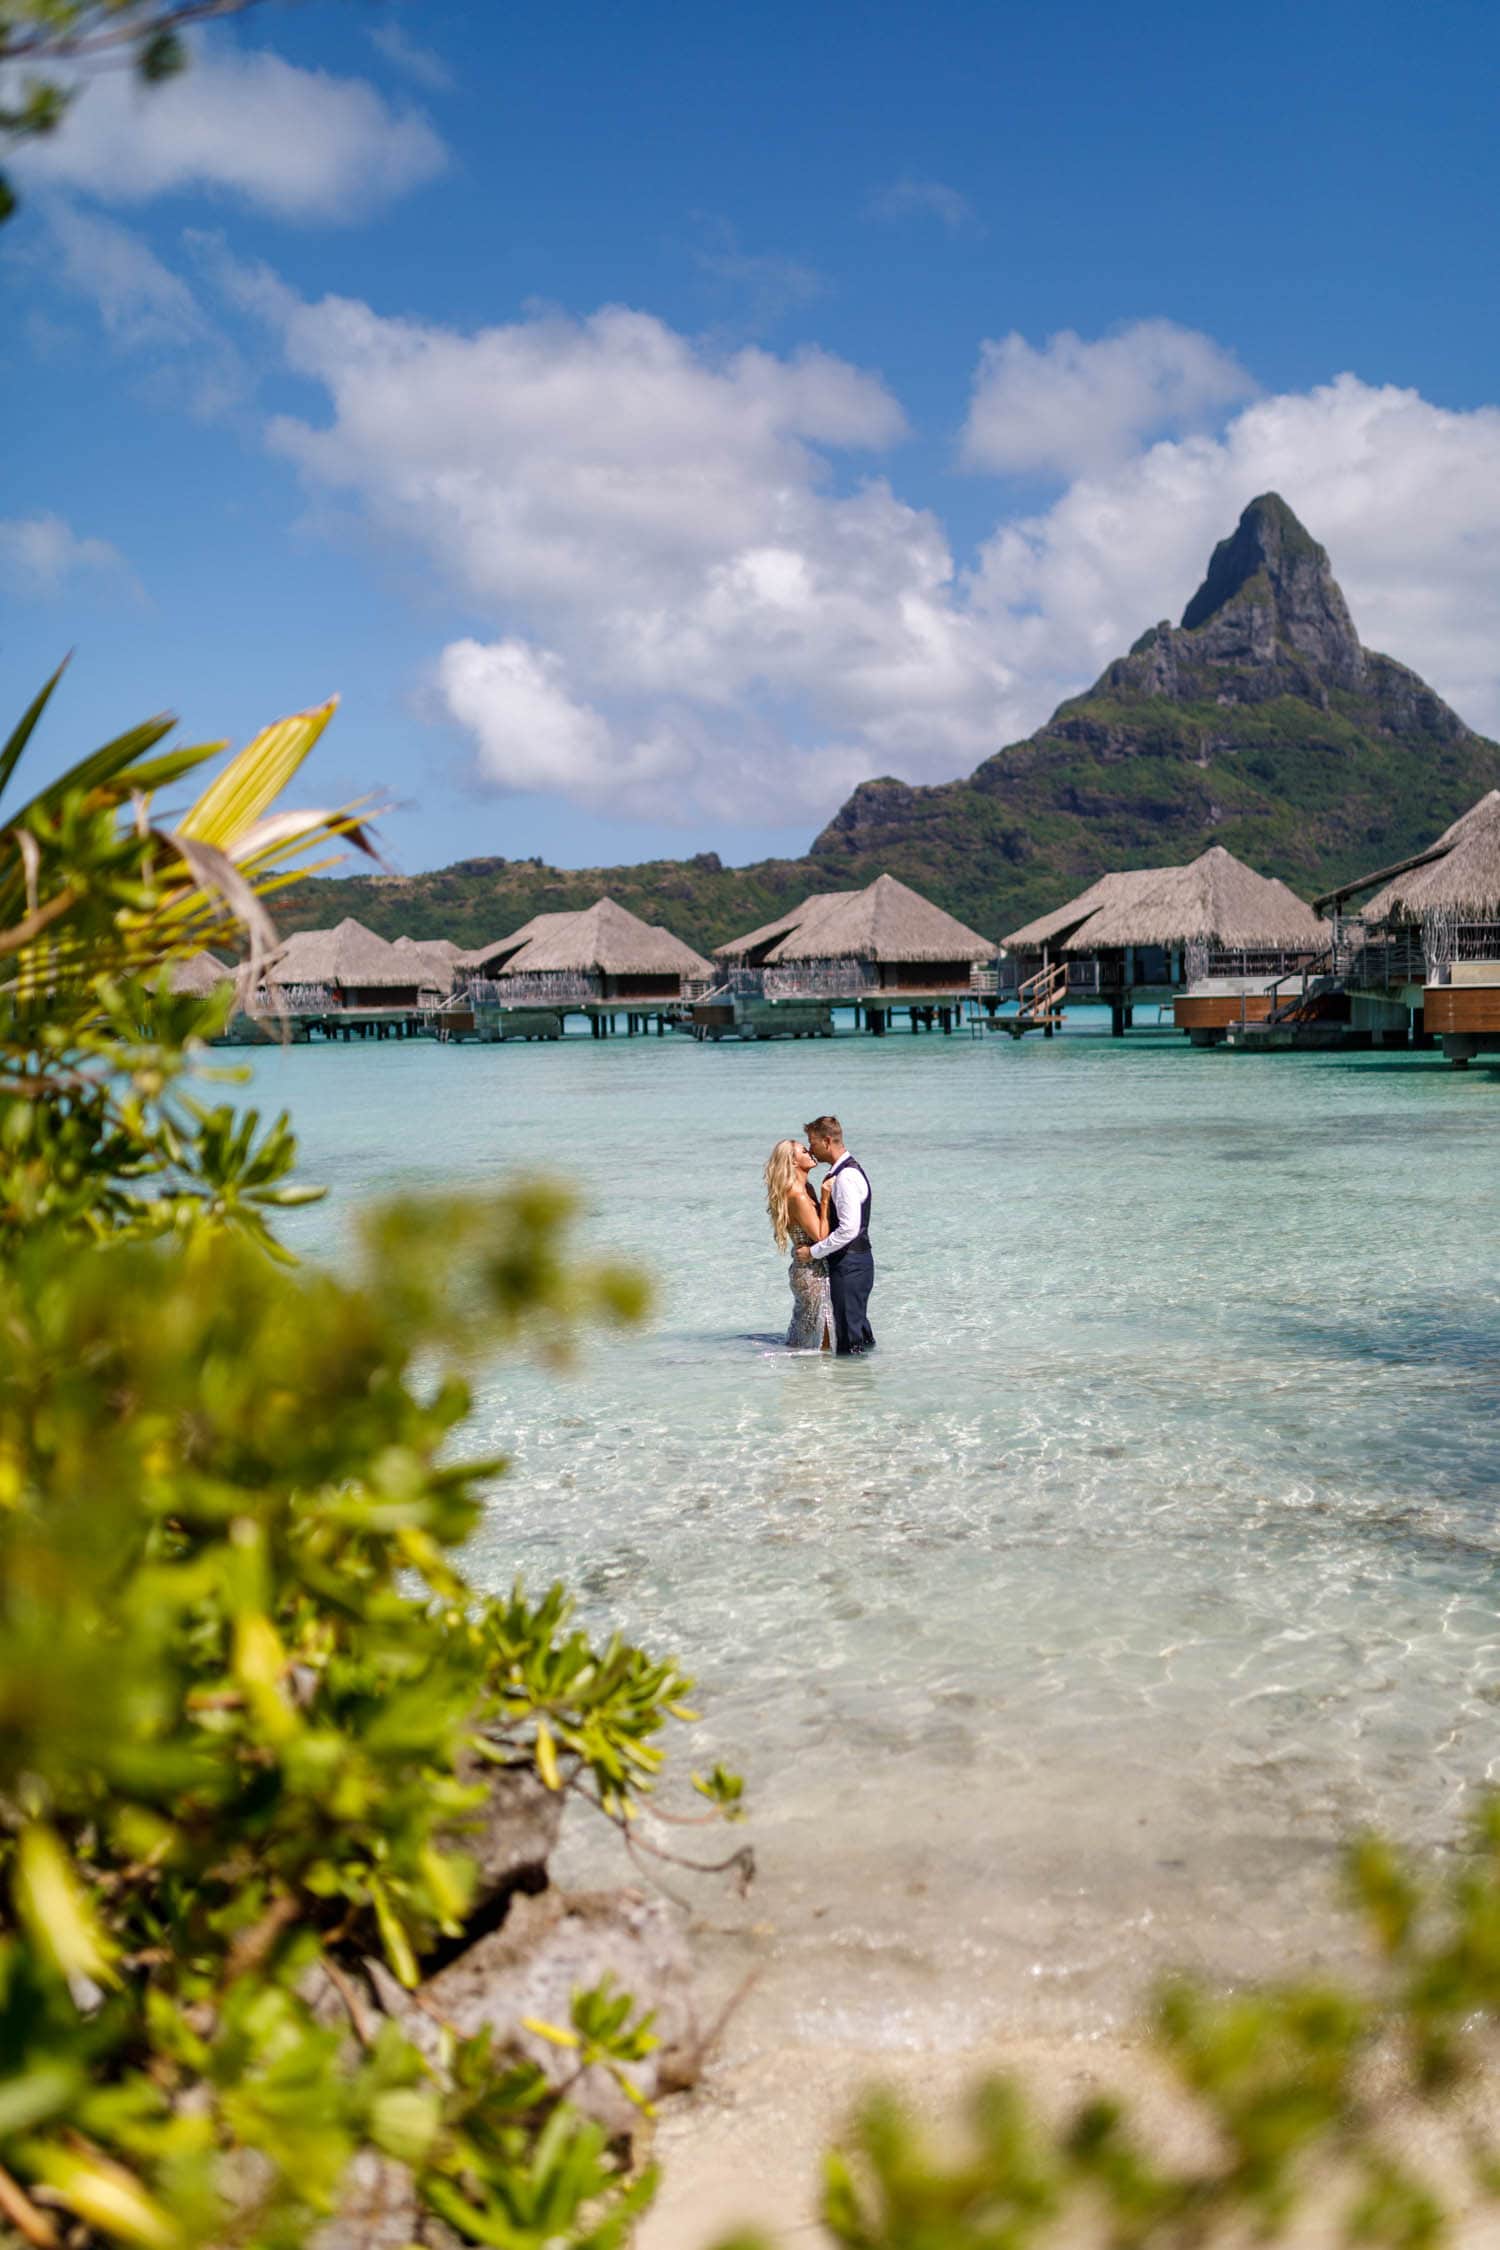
199	974
1050	929
349	954
441	948
1217	899
887	921
431	958
490	959
1464	881
603	939
796	918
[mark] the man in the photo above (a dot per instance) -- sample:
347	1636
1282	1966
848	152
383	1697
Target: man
846	1247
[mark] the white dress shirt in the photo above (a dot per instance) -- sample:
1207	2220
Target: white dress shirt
850	1190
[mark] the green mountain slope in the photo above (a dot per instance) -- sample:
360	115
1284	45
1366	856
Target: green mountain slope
1259	723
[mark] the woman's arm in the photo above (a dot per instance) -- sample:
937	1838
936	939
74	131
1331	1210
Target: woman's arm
810	1217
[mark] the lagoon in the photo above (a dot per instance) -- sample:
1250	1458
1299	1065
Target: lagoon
1157	1549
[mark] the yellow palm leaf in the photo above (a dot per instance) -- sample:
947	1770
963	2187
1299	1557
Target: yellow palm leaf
254	778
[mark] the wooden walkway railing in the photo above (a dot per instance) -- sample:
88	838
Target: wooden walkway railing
1039	1002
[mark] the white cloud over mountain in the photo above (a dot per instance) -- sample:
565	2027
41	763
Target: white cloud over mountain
687	589
302	144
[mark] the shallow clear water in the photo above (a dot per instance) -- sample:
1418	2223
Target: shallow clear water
1158	1547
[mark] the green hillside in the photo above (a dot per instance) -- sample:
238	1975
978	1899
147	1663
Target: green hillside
1259	723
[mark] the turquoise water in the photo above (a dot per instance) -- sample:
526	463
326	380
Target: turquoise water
1158	1547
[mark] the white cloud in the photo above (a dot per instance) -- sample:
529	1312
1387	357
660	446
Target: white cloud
41	556
925	199
1073	407
141	303
663	523
302	144
768	285
414	61
530	733
143	307
685	599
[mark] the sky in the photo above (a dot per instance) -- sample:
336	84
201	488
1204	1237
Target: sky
653	420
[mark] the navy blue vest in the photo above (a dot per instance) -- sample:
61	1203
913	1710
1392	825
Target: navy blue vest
861	1241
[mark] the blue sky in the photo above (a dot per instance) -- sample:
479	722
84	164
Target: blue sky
653	420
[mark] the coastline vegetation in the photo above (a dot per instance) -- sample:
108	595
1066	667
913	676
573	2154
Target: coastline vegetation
247	1697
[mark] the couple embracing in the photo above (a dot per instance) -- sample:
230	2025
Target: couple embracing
827	1231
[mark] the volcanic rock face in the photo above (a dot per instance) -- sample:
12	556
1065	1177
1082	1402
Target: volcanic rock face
1270	620
1269	588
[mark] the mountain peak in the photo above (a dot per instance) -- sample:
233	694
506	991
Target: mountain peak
1271	575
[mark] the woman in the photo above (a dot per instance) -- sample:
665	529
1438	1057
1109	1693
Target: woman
795	1218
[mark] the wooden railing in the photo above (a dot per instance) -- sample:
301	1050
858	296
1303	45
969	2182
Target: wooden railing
1313	975
810	980
1259	961
1041	998
1394	958
296	999
1083	975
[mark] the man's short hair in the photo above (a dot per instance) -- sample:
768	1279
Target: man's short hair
827	1129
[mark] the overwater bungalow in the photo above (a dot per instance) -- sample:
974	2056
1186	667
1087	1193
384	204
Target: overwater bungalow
602	961
345	982
1033	970
877	950
1210	939
1426	945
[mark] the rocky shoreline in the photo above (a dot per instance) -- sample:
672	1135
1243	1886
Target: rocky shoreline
528	1946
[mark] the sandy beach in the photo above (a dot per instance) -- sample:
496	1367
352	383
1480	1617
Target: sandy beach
744	2150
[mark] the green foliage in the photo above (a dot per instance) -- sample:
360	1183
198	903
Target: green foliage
245	1689
238	1675
98	901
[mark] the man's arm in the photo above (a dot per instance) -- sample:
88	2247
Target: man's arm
848	1204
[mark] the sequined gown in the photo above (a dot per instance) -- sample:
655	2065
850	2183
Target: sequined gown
812	1307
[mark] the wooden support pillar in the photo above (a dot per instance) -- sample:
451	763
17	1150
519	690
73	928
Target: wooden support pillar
1117	1015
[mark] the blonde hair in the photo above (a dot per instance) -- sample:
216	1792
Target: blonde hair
782	1180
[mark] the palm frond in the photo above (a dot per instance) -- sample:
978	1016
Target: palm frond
255	778
25	727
